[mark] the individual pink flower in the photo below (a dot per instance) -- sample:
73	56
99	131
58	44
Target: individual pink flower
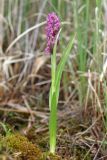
52	29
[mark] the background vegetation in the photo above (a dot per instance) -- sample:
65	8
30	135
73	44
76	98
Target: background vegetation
25	75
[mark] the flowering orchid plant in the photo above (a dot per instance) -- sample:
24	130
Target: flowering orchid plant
53	29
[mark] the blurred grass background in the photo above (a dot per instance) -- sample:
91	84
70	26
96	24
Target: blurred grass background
24	67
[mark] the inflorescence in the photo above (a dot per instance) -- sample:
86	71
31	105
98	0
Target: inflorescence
52	29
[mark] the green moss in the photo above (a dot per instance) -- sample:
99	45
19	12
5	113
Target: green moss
21	148
20	145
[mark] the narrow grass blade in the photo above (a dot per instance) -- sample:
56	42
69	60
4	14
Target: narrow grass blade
55	3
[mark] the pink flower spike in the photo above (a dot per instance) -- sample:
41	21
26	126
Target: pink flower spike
52	28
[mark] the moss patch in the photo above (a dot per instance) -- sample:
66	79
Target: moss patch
20	147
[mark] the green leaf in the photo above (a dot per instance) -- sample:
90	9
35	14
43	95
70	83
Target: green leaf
53	70
61	65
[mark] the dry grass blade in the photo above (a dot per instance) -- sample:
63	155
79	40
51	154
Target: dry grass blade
23	34
22	109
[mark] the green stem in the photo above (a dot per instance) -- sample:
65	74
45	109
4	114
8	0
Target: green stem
53	124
